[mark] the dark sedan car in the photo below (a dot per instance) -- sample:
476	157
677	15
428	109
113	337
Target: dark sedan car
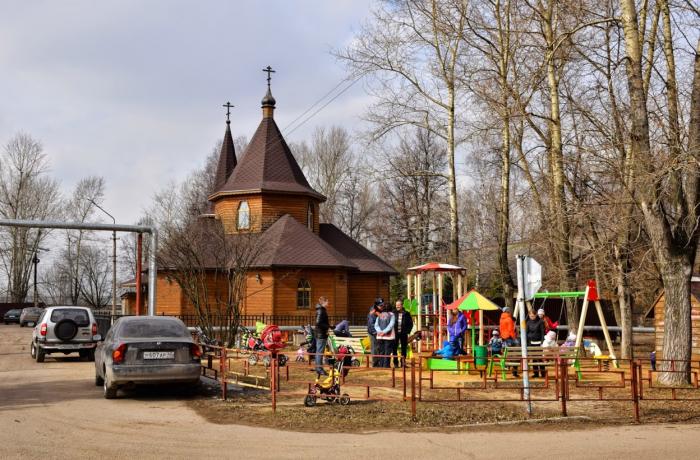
12	316
146	350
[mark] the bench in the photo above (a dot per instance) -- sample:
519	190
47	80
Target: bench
511	357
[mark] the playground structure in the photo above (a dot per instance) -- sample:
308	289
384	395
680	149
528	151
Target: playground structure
415	277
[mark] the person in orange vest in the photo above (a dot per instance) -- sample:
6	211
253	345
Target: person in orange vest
507	328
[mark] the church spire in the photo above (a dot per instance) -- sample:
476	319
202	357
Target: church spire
268	102
227	155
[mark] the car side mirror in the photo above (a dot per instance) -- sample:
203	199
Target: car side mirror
97	337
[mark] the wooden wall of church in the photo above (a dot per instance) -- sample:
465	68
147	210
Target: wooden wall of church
328	283
265	210
363	289
227	210
259	293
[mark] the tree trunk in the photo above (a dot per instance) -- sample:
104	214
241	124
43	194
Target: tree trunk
452	183
622	289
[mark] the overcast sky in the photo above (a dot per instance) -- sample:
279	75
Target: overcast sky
132	90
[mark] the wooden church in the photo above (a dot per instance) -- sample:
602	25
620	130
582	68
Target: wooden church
266	192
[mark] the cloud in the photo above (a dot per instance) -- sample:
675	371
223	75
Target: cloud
132	90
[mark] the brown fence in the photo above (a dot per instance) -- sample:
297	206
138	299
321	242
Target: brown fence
627	381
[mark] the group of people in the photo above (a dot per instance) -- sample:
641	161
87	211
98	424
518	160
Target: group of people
540	330
388	329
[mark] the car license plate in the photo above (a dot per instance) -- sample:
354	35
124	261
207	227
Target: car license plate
158	354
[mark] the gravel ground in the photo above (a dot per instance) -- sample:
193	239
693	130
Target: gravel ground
53	410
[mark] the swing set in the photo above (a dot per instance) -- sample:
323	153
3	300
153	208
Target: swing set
590	294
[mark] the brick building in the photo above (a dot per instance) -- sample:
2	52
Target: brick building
267	192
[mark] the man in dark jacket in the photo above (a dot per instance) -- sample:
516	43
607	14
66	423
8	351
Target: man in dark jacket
402	326
534	329
321	330
371	318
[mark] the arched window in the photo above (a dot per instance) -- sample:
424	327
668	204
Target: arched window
304	294
310	217
243	216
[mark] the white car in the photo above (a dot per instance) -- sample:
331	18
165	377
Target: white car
65	330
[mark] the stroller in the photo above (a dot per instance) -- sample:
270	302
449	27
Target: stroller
328	387
270	339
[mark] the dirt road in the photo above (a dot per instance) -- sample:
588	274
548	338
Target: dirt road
53	410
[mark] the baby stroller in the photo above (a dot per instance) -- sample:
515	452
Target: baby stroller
271	338
328	387
251	342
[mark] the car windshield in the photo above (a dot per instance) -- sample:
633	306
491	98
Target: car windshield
80	317
153	328
13	312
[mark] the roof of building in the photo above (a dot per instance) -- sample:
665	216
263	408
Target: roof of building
289	243
227	160
364	259
267	165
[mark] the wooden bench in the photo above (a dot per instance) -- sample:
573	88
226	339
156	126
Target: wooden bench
511	358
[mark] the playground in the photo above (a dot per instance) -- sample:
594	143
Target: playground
583	380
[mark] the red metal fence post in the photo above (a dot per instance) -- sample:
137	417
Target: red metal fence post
635	391
222	367
564	385
413	389
273	378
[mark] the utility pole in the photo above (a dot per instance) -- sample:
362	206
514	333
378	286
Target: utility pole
114	261
35	261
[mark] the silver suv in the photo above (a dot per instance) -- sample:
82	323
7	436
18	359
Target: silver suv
65	330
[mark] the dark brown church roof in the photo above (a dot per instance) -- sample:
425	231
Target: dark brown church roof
227	160
288	243
268	166
364	259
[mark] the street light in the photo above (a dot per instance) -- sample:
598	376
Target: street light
114	260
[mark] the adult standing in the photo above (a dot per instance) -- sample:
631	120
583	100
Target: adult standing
371	332
322	327
535	336
384	325
402	327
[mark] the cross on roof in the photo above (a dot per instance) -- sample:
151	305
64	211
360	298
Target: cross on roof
269	71
228	106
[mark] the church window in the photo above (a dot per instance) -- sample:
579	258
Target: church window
243	216
304	294
310	217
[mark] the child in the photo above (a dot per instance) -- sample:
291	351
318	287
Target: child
448	351
495	344
570	342
550	340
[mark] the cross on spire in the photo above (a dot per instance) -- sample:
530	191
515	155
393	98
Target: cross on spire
269	71
228	106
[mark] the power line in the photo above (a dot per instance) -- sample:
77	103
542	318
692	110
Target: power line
315	104
352	83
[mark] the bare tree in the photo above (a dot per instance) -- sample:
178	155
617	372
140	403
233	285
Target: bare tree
413	223
414	51
95	289
667	183
80	208
26	192
211	267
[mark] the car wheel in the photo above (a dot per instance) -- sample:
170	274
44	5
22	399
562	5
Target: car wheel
267	360
109	392
32	350
310	401
90	355
22	324
39	354
252	359
99	381
345	399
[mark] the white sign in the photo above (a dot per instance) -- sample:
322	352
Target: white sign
532	278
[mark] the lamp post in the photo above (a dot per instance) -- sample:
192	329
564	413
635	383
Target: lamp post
114	261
